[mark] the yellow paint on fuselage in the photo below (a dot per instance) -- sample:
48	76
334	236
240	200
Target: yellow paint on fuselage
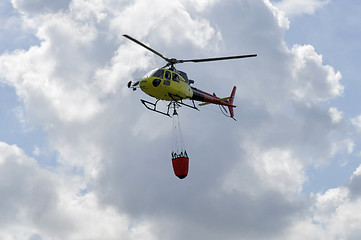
165	84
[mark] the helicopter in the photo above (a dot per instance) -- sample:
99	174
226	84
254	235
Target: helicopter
169	84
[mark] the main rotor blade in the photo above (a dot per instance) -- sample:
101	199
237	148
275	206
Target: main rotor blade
146	47
216	58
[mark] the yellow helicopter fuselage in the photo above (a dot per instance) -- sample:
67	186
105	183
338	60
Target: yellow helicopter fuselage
166	84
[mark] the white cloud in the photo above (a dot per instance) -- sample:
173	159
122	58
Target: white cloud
298	7
315	82
36	73
339	214
266	169
280	15
357	123
164	23
37	202
114	174
335	114
88	10
36	151
357	172
335	214
346	145
327	203
40	6
278	169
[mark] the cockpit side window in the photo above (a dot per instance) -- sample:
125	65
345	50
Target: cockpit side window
168	75
175	77
159	73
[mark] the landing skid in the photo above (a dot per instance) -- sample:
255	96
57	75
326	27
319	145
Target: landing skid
153	107
172	104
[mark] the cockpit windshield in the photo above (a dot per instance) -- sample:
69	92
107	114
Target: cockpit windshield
158	72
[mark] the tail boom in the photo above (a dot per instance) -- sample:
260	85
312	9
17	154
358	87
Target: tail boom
207	98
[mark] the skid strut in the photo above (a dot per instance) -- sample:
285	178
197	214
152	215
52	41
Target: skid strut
153	107
176	102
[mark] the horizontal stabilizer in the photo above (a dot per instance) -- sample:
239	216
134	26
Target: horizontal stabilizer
219	100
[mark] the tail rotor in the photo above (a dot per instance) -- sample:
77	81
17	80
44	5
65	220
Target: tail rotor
230	101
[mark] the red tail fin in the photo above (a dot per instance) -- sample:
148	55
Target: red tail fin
230	101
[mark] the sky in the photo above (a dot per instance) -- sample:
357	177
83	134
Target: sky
81	158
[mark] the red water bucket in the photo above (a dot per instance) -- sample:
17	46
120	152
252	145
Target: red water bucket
180	166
